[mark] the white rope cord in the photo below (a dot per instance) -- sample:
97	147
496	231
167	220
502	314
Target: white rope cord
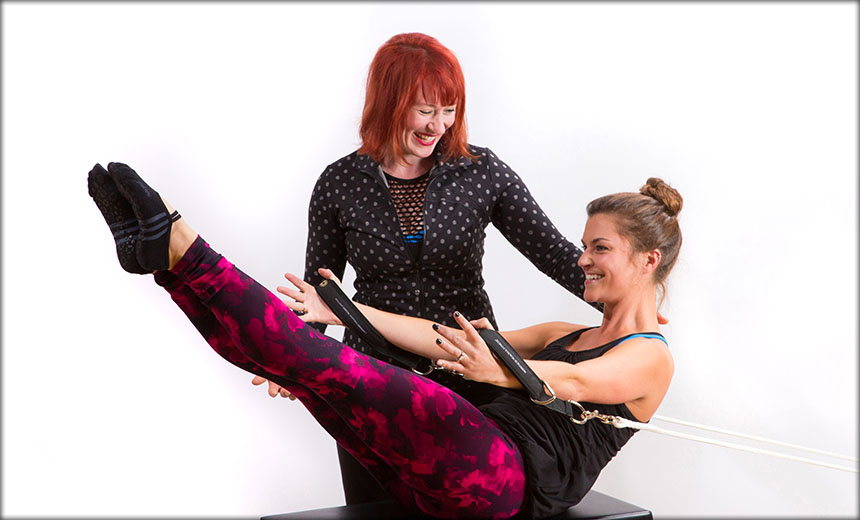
621	422
754	437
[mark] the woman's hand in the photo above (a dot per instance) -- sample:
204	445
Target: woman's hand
472	357
307	301
274	390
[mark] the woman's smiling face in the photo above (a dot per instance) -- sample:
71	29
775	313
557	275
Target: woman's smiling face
607	261
426	123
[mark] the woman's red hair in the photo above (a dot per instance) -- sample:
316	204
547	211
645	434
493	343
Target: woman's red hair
404	66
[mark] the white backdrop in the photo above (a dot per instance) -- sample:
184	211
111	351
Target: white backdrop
113	405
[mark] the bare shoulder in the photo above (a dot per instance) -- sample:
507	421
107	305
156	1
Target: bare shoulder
650	353
651	370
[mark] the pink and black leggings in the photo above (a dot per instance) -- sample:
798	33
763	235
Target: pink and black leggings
431	448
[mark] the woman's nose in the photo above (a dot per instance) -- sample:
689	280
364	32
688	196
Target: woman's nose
437	124
584	259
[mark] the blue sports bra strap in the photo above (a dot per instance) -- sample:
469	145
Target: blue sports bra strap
646	335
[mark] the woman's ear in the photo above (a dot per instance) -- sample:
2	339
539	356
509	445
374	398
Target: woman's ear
652	260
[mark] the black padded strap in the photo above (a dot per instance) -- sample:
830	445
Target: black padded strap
539	392
511	359
348	313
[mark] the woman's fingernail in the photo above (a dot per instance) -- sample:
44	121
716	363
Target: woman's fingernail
438	341
456	314
435	326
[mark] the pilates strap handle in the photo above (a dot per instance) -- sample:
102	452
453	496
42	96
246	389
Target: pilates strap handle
348	313
538	390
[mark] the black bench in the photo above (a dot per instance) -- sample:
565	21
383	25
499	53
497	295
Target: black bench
595	506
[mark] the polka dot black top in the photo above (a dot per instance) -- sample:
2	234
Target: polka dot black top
352	218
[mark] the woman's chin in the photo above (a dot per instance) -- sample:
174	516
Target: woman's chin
589	298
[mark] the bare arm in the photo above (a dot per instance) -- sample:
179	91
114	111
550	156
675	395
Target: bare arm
631	371
636	372
416	335
422	336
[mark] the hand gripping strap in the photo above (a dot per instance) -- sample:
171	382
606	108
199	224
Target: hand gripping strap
539	391
348	313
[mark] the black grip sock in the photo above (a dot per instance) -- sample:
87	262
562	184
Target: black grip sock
119	216
154	236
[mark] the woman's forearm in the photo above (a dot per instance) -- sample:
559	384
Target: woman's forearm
409	333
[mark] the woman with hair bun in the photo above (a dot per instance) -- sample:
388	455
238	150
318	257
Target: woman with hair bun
435	451
408	210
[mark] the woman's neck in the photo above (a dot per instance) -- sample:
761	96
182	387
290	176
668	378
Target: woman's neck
406	170
634	313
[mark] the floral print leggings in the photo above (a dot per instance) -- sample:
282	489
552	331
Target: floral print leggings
432	449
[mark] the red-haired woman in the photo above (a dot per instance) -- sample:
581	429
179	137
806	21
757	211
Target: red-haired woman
408	210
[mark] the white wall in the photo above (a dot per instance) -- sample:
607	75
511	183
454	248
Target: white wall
112	405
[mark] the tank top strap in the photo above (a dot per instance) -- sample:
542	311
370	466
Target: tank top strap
652	335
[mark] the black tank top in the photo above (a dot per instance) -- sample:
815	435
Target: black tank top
562	459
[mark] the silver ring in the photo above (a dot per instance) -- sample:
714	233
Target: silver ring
461	356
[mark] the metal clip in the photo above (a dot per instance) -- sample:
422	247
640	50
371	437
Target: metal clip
434	366
551	393
585	415
605	419
430	370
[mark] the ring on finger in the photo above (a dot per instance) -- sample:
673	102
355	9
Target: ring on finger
461	356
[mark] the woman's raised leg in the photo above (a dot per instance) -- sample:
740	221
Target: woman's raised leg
455	461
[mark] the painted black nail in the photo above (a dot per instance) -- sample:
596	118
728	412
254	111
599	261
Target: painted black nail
438	341
435	326
456	314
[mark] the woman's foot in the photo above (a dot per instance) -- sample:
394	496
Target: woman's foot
155	221
119	216
160	236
